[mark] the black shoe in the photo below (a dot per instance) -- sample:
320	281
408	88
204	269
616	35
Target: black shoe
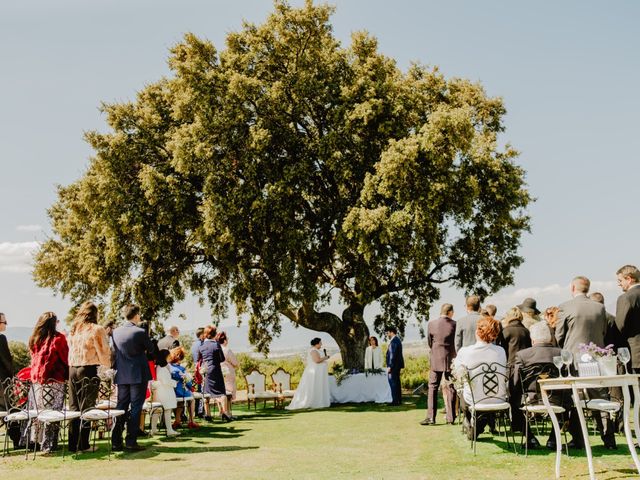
428	421
574	444
611	445
208	418
533	443
551	445
134	448
117	448
226	418
142	433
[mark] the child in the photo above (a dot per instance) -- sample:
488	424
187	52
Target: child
163	392
182	387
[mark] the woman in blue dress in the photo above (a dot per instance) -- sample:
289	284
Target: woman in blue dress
211	355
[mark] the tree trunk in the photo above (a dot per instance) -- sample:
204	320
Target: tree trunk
350	333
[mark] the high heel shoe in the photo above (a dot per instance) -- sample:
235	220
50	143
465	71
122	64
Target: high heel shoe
226	418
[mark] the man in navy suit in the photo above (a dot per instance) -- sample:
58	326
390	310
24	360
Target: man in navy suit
131	344
395	363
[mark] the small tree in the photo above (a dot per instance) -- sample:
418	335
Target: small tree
286	169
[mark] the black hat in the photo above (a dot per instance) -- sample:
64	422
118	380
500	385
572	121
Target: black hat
528	305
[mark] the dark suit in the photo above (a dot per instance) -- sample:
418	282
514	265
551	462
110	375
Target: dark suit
395	363
540	353
515	337
168	342
628	322
441	338
6	366
131	345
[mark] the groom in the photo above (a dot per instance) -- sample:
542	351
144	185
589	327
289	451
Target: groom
395	363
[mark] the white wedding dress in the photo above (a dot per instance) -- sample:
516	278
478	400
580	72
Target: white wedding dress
313	390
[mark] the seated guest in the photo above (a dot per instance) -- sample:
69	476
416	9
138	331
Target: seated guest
170	340
49	370
541	353
163	389
373	354
551	317
470	357
182	388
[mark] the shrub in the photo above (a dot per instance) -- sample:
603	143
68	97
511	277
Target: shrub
20	353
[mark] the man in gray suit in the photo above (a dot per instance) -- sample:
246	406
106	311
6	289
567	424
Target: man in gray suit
466	326
131	344
440	336
628	311
582	320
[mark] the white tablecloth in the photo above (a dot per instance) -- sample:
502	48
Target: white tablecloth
360	388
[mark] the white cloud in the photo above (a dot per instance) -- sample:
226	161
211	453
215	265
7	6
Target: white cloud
17	257
552	294
29	228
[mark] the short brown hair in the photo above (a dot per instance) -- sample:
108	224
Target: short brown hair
597	297
210	332
491	310
581	283
130	311
629	271
473	302
176	355
221	337
487	329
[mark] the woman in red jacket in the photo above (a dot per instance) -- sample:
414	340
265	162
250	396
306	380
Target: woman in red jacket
49	372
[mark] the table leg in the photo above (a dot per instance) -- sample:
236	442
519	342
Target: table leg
585	432
556	428
636	408
627	427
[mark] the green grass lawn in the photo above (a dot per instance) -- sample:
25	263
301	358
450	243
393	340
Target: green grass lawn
349	441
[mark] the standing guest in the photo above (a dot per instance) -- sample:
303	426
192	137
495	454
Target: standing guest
466	326
88	349
373	355
581	320
628	311
163	389
515	336
530	312
171	340
491	310
482	351
6	362
551	317
540	353
229	367
182	388
441	334
395	363
195	348
131	344
212	355
49	370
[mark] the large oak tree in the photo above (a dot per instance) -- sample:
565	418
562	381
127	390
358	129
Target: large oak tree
286	169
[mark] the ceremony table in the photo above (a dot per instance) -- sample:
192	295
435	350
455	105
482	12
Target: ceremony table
359	388
577	383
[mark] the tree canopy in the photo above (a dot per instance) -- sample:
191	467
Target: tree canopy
284	169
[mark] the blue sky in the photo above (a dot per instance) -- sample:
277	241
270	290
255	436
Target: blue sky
569	73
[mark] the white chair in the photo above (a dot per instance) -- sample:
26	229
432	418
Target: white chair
17	393
256	389
282	382
489	395
50	416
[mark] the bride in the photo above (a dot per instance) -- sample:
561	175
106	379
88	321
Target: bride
313	391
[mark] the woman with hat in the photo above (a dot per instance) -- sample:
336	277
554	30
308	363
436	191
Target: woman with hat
530	313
